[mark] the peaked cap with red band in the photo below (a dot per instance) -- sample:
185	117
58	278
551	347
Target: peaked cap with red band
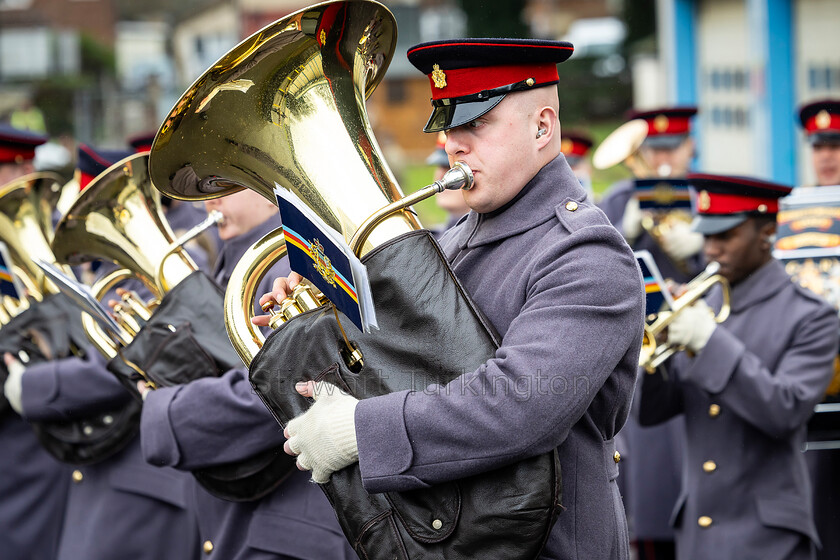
724	202
18	146
90	162
575	144
821	121
471	76
667	126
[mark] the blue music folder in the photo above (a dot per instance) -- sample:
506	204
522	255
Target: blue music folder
319	253
657	295
9	284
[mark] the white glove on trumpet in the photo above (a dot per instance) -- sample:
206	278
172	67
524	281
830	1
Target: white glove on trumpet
681	243
324	437
693	327
631	222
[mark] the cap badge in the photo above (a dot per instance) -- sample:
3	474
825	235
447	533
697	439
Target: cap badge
660	123
823	119
438	77
704	201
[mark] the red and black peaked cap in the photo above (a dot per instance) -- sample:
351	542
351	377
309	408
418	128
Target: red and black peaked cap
821	121
18	146
667	126
723	202
469	77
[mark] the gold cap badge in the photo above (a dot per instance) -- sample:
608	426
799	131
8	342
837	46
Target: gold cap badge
438	77
660	123
704	201
823	119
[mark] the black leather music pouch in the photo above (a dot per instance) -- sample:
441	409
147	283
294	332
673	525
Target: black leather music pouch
430	333
49	330
185	339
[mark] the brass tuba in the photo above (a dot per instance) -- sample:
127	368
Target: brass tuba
118	219
26	227
287	107
654	352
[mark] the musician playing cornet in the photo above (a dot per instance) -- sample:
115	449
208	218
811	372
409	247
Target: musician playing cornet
667	151
555	279
746	387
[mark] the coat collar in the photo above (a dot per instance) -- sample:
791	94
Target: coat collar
233	249
534	205
760	285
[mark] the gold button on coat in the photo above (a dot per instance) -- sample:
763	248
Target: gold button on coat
208	547
705	521
709	466
714	410
571	206
78	476
617	457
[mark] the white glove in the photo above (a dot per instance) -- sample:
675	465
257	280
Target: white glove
13	389
693	327
631	222
680	242
324	437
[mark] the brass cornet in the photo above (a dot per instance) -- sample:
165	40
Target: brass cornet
655	353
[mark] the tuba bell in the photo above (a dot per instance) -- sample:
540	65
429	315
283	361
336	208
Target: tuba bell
118	219
655	352
300	104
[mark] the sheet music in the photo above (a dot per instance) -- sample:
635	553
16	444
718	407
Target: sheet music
82	296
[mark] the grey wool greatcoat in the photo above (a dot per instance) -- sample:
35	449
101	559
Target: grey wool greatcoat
119	507
212	421
746	398
33	491
562	288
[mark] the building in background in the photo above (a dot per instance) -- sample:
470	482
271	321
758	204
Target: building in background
749	65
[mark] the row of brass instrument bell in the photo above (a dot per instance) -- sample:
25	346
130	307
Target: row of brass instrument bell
656	350
117	219
26	227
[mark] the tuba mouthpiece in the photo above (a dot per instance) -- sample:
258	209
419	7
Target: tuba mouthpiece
459	177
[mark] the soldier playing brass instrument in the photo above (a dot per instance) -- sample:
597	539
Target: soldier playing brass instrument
552	275
746	388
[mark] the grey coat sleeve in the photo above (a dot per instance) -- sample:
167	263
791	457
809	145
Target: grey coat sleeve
70	388
209	421
775	402
582	314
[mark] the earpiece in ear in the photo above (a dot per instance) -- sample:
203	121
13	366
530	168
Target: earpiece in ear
540	132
